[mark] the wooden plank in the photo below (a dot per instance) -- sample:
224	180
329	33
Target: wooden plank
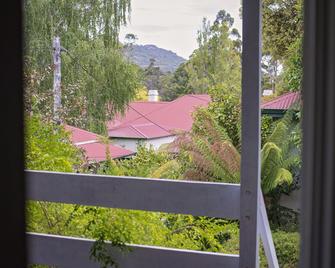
172	196
266	235
250	162
68	252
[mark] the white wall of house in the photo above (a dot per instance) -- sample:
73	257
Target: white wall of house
131	144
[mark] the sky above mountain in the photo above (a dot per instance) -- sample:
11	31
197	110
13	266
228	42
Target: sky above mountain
173	24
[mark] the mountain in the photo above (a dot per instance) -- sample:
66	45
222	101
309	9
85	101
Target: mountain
166	60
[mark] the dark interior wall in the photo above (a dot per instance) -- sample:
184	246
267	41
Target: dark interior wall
12	253
318	219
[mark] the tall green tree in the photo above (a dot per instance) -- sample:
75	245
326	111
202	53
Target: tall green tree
282	26
93	66
215	64
292	75
153	76
282	35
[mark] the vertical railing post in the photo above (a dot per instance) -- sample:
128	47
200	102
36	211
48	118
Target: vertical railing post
250	163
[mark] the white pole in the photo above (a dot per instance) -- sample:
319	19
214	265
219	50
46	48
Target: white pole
57	79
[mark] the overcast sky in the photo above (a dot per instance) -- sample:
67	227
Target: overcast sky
173	24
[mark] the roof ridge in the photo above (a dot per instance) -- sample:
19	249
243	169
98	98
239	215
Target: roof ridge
86	131
151	102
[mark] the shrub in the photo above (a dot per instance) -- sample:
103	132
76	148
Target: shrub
287	249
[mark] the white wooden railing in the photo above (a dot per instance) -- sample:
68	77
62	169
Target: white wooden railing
196	198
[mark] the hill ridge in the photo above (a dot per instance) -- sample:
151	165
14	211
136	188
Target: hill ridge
167	60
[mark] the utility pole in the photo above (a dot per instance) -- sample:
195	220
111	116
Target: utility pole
57	79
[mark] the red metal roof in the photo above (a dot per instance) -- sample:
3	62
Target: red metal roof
135	111
94	150
282	102
146	120
97	151
80	135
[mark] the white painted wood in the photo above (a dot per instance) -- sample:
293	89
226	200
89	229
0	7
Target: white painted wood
69	252
196	198
266	235
250	155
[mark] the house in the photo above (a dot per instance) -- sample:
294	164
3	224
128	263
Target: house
154	123
95	150
277	107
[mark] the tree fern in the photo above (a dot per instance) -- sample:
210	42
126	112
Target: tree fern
212	157
280	154
273	173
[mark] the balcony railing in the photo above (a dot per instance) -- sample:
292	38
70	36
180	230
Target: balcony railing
196	198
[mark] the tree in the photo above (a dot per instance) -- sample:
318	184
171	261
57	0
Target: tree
176	85
292	75
270	72
153	76
282	35
282	26
48	147
215	64
94	68
130	39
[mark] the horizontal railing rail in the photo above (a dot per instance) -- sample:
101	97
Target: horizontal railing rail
69	252
218	200
210	199
172	196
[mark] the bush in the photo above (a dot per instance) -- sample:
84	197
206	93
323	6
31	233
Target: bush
287	249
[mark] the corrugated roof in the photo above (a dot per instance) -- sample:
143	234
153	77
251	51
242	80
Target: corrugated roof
97	151
157	120
80	135
135	111
94	150
283	102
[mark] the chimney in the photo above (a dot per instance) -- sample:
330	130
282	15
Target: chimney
153	95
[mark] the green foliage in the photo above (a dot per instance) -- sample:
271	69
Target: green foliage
282	26
226	109
210	155
93	66
215	64
48	147
280	154
153	76
146	161
176	84
202	233
273	174
292	76
282	35
287	249
169	170
267	126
